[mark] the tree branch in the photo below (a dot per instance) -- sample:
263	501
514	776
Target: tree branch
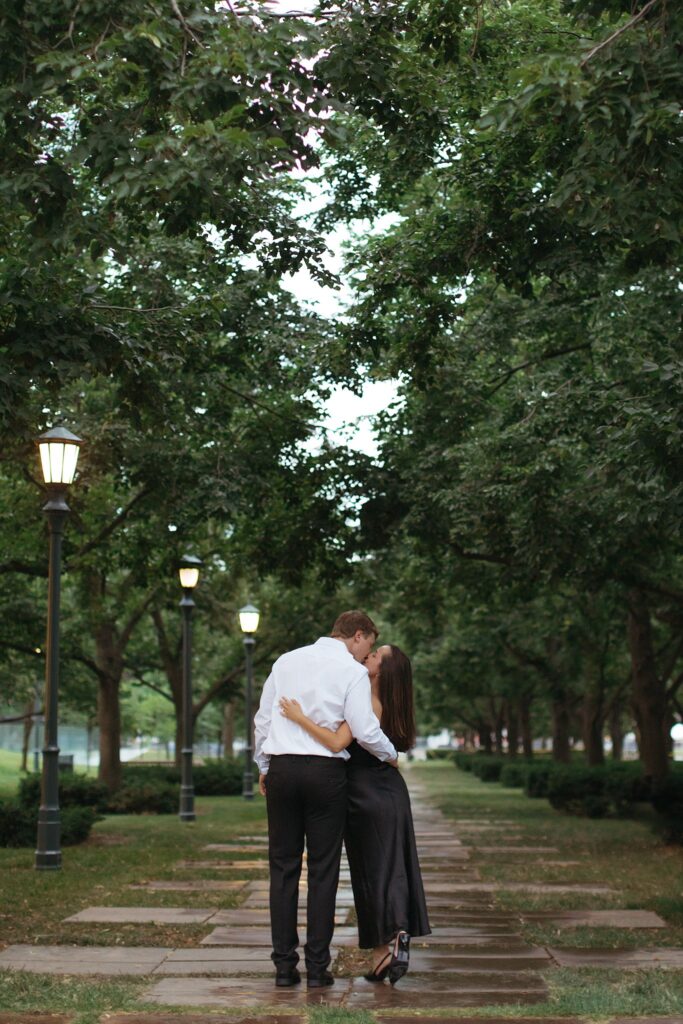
26	568
224	681
620	31
135	617
546	357
110	527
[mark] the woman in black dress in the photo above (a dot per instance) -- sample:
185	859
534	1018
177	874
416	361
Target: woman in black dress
379	837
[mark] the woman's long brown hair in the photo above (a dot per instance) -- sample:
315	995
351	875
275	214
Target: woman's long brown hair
396	697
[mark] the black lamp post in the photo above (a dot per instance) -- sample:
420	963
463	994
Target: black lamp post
249	619
58	456
188	571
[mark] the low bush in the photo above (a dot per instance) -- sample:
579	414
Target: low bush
18	824
537	777
488	769
440	754
74	791
578	790
221	777
463	760
144	798
514	773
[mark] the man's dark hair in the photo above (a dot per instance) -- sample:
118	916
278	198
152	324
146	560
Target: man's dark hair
348	624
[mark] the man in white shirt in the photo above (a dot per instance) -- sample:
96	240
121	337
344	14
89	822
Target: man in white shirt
305	784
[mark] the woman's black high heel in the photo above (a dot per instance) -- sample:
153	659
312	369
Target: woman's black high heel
380	972
400	957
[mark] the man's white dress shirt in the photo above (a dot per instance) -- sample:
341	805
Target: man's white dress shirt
331	687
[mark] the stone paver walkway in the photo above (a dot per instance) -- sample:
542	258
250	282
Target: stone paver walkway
476	955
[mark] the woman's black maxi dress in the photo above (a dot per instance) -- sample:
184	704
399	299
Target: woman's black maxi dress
380	846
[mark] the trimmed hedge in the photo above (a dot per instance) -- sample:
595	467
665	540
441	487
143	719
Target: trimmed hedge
213	778
514	773
537	777
18	824
144	798
74	791
488	769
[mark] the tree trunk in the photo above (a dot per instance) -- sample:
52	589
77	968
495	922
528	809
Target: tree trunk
591	728
228	736
26	738
561	719
512	716
109	720
525	726
616	731
485	737
649	695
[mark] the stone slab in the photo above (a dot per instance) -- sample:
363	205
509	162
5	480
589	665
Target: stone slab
197	885
235	936
217	865
232	992
460	991
388	1018
596	918
478	960
104	960
233	848
537	887
623	959
221	865
142	915
34	1018
515	849
195	1018
251	916
113	954
482	931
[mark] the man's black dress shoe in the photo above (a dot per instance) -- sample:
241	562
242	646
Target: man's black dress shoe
285	979
320	980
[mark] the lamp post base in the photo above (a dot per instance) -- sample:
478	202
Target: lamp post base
248	786
48	860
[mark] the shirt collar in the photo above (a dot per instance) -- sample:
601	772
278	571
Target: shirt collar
336	646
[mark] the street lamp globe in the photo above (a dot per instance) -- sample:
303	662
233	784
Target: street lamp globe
59	450
188	571
249	618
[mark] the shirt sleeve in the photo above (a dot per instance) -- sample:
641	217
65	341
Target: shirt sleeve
262	725
362	721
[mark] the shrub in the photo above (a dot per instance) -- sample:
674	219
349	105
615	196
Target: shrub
578	790
440	754
221	777
464	761
74	791
537	777
488	768
667	800
144	798
18	824
514	773
77	823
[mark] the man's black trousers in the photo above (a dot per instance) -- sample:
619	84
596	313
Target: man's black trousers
306	799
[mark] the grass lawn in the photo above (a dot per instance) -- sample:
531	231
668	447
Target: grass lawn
9	772
132	849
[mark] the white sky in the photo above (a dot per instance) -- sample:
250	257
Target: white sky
349	415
